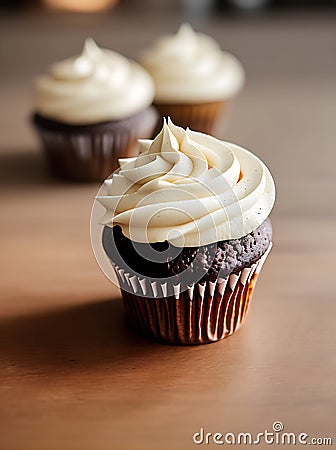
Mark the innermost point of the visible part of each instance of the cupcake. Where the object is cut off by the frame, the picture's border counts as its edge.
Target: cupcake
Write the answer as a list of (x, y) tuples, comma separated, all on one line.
[(90, 110), (187, 230), (194, 79)]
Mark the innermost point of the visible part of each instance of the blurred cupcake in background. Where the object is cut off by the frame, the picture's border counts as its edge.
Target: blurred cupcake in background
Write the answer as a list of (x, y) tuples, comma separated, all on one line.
[(194, 79), (90, 110)]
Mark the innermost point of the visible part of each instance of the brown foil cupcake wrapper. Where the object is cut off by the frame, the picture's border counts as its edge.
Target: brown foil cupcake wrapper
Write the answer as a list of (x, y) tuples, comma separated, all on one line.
[(203, 313), (85, 157), (91, 153), (198, 117)]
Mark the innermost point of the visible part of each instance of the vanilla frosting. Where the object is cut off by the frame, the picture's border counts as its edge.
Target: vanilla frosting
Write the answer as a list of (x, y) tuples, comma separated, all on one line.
[(190, 67), (188, 188), (98, 85)]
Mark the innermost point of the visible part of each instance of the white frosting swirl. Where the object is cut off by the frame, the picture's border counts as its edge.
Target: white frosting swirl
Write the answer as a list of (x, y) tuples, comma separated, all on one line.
[(190, 67), (97, 86), (188, 188)]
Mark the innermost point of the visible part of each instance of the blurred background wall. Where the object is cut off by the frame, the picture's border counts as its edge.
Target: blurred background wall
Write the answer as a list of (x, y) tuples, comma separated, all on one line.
[(285, 112)]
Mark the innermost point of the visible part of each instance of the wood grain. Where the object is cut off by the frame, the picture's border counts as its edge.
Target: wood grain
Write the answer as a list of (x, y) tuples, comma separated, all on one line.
[(73, 374)]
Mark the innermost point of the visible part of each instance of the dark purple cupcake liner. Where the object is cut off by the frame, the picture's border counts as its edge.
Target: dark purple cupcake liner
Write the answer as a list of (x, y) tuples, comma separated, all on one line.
[(202, 313), (91, 153)]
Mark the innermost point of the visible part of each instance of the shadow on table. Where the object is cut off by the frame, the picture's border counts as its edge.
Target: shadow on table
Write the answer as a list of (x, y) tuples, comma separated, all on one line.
[(24, 168), (73, 338), (94, 341)]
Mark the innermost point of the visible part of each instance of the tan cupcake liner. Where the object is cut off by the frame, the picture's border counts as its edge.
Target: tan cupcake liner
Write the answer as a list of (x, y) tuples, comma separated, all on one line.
[(203, 313), (198, 117)]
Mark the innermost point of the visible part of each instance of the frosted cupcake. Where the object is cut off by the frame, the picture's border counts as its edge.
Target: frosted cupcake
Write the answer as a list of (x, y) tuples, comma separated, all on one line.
[(186, 229), (90, 110), (194, 79)]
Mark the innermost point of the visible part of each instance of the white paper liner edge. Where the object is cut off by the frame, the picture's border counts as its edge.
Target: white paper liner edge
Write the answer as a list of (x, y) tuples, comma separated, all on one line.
[(144, 287)]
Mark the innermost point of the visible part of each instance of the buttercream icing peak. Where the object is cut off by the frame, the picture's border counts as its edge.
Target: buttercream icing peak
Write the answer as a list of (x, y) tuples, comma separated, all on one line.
[(191, 67), (96, 86), (205, 189), (91, 49), (186, 37)]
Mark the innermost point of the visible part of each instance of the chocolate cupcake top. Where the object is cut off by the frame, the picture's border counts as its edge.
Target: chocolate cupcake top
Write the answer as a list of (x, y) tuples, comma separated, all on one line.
[(189, 189), (97, 86), (190, 67)]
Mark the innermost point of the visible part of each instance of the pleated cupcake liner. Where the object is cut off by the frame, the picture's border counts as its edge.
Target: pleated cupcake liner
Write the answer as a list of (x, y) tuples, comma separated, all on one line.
[(199, 313), (198, 117), (92, 153)]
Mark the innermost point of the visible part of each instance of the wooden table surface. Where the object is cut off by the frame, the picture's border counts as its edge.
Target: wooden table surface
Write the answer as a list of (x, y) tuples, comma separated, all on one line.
[(73, 375)]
